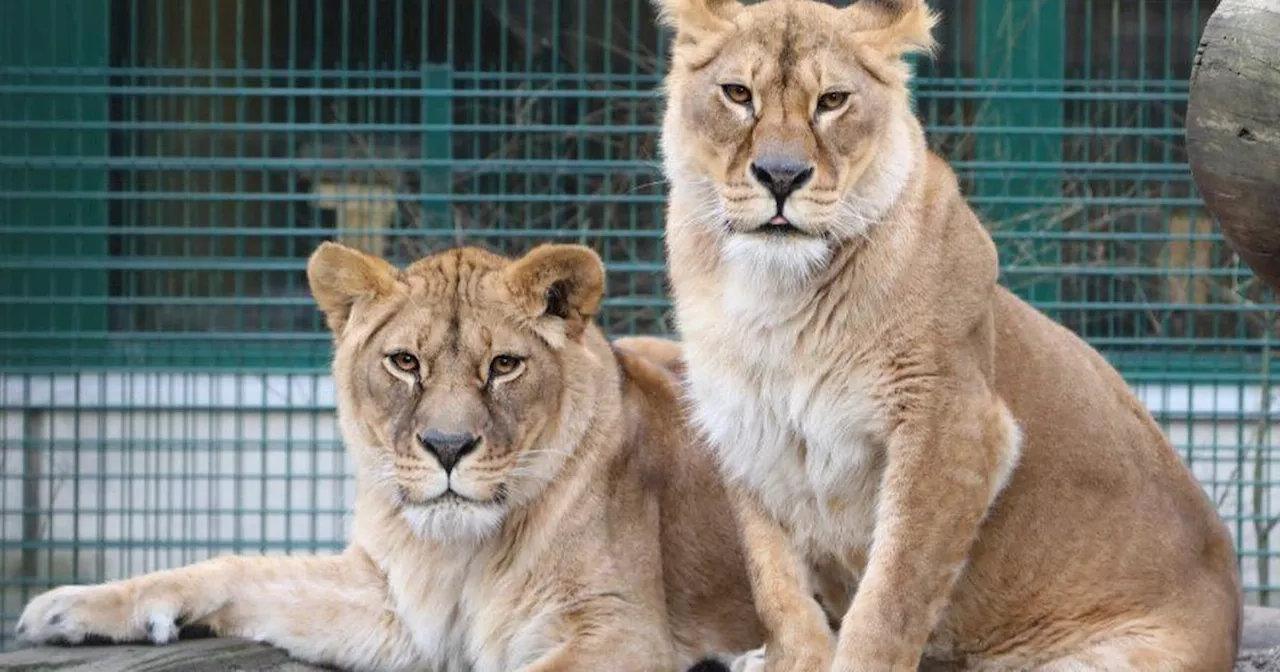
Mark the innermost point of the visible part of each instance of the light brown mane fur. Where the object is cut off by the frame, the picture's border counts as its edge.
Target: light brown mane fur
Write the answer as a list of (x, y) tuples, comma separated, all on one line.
[(594, 533), (966, 483)]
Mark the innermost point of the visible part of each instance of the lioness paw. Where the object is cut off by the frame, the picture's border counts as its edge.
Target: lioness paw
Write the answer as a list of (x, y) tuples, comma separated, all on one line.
[(74, 614)]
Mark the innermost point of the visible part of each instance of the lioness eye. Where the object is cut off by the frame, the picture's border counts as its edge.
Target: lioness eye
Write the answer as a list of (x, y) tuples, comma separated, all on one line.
[(404, 361), (832, 101), (503, 365), (737, 93)]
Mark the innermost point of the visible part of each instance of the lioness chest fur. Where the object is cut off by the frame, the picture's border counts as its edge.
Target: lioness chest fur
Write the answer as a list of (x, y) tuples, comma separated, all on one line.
[(528, 495), (963, 482)]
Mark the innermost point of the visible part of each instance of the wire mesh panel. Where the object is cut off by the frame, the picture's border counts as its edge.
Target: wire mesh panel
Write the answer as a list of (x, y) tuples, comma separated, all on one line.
[(166, 166)]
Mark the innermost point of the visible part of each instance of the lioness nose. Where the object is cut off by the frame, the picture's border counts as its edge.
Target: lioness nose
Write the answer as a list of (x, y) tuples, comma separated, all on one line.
[(448, 448), (781, 176)]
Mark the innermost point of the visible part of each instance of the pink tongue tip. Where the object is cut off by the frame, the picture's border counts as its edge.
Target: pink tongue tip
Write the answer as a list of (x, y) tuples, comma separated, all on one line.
[(779, 220)]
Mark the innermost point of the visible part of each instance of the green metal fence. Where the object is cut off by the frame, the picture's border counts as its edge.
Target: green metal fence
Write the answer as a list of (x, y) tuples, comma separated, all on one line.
[(167, 165)]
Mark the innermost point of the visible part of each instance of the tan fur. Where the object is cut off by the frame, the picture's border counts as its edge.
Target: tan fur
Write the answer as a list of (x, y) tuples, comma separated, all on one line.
[(964, 482), (667, 354), (596, 534)]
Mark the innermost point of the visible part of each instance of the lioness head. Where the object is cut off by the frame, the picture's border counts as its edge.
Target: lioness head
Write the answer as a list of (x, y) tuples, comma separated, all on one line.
[(461, 378), (789, 124)]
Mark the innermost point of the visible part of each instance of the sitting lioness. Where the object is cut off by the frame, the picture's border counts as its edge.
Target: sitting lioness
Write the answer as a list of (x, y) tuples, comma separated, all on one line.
[(528, 496), (962, 481)]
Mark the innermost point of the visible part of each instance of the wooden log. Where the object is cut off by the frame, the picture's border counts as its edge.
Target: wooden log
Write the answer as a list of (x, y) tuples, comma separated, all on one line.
[(234, 655), (197, 655), (1233, 129), (1259, 652)]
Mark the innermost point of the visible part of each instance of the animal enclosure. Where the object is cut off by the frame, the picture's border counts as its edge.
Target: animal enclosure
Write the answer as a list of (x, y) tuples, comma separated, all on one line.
[(166, 166)]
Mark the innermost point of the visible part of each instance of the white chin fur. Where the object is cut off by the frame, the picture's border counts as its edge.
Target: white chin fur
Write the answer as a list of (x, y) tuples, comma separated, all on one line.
[(768, 262), (454, 523)]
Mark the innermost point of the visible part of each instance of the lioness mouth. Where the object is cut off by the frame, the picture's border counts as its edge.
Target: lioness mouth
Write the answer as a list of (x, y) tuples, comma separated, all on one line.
[(452, 496), (447, 497), (779, 226)]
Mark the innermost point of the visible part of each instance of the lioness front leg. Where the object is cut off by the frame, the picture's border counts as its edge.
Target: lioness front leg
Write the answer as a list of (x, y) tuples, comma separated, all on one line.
[(328, 610), (608, 632), (943, 472), (800, 638), (577, 657)]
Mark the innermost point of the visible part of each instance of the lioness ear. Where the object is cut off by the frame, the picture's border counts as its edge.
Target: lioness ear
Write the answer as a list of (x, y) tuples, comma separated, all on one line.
[(340, 276), (692, 19), (559, 288), (894, 27)]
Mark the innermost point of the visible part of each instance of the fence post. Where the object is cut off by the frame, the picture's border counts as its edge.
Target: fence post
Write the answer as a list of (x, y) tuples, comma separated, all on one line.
[(32, 470)]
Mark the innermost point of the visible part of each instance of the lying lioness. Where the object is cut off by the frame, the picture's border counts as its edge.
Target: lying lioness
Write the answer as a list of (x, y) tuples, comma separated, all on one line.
[(962, 480), (528, 496)]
